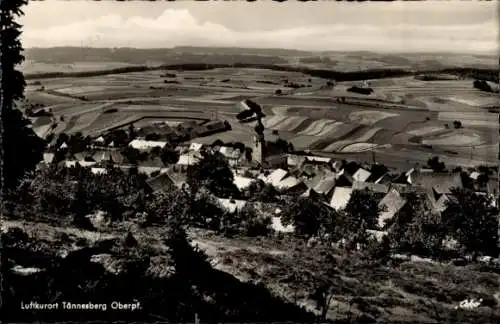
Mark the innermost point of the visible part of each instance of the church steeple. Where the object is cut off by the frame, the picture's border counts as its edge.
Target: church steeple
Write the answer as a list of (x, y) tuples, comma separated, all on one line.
[(258, 150)]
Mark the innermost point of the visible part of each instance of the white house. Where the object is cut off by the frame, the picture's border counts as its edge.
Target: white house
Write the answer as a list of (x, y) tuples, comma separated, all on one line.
[(144, 145)]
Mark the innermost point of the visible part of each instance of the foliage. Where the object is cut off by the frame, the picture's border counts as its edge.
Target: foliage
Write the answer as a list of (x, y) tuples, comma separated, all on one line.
[(77, 143), (133, 155), (361, 213), (169, 155), (205, 212), (482, 85), (415, 230), (59, 192), (457, 124), (311, 217), (119, 137), (362, 208), (214, 173), (258, 190), (22, 149), (436, 165), (246, 221), (167, 208), (473, 222)]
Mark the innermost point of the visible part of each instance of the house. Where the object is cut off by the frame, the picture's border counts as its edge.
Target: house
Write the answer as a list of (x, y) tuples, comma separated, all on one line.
[(325, 185), (441, 183), (48, 158), (104, 156), (232, 154), (195, 147), (63, 146), (70, 164), (337, 166), (391, 204), (275, 161), (99, 170), (149, 170), (384, 179), (144, 145), (241, 182), (340, 197), (87, 163), (99, 141), (361, 175), (294, 160), (276, 176), (232, 205), (188, 159), (278, 226), (291, 184), (344, 179), (162, 182), (374, 187), (318, 159), (474, 175)]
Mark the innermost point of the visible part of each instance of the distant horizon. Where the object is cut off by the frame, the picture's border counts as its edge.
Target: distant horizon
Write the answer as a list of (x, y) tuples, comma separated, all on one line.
[(466, 27), (493, 54)]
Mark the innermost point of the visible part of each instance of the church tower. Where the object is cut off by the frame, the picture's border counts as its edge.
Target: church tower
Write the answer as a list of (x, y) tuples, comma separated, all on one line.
[(258, 149)]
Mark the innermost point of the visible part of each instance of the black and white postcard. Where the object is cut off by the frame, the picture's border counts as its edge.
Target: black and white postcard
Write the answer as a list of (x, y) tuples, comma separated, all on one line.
[(250, 161)]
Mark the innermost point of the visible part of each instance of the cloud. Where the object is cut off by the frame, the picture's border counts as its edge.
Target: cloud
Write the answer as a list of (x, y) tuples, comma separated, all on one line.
[(177, 27)]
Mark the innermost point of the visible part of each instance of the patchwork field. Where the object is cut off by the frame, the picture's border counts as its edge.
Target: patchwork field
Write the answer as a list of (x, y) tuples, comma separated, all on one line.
[(400, 116)]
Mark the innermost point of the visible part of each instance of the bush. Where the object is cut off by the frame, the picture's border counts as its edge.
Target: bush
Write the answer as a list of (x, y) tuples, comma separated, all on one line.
[(457, 124)]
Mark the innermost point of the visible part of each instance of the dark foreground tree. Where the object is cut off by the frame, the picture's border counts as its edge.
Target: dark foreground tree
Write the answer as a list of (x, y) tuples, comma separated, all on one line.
[(473, 221), (21, 148)]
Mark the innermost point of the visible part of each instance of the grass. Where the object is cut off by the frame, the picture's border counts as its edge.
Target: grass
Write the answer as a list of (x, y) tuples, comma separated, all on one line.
[(409, 291)]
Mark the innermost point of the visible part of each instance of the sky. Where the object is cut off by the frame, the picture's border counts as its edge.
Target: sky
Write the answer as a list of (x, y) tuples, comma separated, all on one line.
[(430, 26)]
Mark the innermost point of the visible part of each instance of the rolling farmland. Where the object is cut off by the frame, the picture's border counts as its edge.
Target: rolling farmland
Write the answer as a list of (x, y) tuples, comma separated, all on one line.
[(397, 119)]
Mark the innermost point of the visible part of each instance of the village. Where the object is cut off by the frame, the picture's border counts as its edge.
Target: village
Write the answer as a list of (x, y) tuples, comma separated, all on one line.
[(272, 163)]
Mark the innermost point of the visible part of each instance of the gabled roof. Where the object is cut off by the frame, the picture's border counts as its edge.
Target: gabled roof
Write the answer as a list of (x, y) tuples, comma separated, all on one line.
[(288, 183), (195, 146), (361, 175), (276, 176), (340, 197), (86, 163), (317, 159), (188, 159), (149, 169), (375, 187), (442, 183), (63, 145), (325, 185), (385, 179), (392, 204), (474, 175), (100, 140), (162, 182)]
